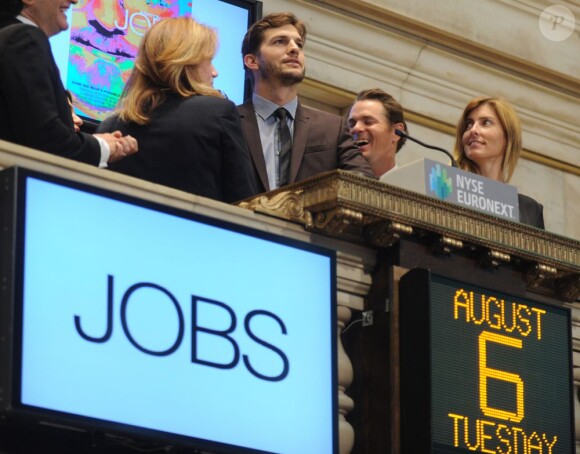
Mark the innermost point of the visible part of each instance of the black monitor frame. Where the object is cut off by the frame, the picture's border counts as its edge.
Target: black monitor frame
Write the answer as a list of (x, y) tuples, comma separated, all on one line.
[(13, 412), (422, 321)]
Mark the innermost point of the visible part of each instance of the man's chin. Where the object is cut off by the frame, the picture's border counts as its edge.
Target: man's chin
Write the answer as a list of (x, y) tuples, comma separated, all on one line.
[(289, 79), (63, 26), (364, 153)]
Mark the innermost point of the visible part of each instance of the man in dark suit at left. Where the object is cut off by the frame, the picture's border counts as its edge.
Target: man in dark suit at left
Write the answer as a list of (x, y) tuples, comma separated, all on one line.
[(34, 109)]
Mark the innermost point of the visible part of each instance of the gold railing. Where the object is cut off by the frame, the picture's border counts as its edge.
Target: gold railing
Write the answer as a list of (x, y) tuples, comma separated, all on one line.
[(351, 207)]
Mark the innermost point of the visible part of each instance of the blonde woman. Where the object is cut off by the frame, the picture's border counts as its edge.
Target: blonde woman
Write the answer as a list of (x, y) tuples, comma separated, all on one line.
[(190, 134), (489, 142)]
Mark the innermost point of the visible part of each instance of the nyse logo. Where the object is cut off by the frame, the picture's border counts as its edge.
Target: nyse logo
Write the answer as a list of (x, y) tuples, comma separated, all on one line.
[(131, 296), (440, 183)]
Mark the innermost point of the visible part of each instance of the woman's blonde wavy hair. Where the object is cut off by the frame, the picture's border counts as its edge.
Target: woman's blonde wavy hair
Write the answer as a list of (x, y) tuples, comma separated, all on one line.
[(511, 128), (167, 61)]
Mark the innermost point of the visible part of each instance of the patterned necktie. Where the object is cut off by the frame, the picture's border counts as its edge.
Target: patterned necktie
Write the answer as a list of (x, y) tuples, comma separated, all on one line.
[(285, 147)]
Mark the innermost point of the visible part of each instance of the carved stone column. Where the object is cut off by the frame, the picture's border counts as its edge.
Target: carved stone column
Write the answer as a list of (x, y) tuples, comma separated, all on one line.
[(353, 283), (345, 376)]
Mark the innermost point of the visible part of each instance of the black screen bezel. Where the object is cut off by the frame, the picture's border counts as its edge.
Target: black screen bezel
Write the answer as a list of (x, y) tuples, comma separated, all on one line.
[(12, 222), (415, 293)]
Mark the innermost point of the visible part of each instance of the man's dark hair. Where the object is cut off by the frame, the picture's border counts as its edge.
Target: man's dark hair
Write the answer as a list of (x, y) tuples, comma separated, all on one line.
[(393, 110), (255, 34), (10, 8)]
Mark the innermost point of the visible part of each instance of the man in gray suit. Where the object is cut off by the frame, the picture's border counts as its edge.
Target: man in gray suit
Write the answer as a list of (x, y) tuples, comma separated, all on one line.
[(273, 54)]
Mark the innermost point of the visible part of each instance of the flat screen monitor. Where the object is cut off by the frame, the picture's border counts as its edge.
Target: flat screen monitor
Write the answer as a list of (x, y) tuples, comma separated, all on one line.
[(483, 370), (96, 54), (130, 317)]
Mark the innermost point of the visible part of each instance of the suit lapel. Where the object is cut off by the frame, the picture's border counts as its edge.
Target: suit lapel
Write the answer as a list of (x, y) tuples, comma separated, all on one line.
[(252, 136), (301, 128)]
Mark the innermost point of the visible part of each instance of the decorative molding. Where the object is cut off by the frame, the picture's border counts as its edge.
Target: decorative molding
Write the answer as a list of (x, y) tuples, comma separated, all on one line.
[(493, 259), (285, 204), (538, 274), (569, 287), (336, 221), (446, 245), (385, 233), (351, 207), (492, 57)]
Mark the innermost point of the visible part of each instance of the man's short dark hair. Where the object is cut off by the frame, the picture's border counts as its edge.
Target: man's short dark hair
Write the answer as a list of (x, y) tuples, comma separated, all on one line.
[(393, 110), (10, 8), (255, 34)]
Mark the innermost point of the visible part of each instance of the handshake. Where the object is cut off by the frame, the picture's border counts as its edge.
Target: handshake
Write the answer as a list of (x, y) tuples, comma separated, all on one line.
[(120, 146)]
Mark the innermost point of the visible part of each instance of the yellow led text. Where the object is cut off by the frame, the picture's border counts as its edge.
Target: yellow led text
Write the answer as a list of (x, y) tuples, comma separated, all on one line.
[(486, 373), (492, 438), (498, 314)]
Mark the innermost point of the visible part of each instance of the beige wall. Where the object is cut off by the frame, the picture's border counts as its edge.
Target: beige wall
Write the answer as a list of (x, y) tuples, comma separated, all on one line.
[(435, 56)]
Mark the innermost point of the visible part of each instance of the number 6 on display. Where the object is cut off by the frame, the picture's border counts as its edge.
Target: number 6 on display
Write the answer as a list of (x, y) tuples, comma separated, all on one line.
[(486, 373)]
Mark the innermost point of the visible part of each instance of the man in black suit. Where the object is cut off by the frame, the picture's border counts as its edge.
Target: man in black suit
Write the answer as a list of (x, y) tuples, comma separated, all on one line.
[(34, 110), (273, 56)]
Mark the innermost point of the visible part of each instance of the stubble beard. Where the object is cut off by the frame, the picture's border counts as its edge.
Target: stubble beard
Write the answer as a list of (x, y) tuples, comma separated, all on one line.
[(269, 71)]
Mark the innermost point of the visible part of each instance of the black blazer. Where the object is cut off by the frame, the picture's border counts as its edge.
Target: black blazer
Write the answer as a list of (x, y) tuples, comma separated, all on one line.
[(531, 212), (34, 109), (321, 143), (194, 144)]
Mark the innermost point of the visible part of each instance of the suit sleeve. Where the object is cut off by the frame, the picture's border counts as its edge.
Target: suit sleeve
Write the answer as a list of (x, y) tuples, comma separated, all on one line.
[(540, 222), (238, 177), (109, 124), (349, 158), (31, 88), (531, 212)]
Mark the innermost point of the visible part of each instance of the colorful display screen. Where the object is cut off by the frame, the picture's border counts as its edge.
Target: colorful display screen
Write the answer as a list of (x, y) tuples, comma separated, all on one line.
[(130, 315), (96, 54)]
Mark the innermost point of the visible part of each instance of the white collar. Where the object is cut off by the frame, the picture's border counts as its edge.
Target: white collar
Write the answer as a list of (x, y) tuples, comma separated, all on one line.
[(390, 170), (25, 20)]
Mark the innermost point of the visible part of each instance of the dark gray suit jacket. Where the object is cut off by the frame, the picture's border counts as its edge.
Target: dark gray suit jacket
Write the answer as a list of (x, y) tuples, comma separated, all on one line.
[(531, 212), (321, 143), (34, 109), (193, 144)]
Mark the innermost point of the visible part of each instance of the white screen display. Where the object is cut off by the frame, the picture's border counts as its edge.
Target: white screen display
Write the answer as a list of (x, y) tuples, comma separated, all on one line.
[(213, 334)]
